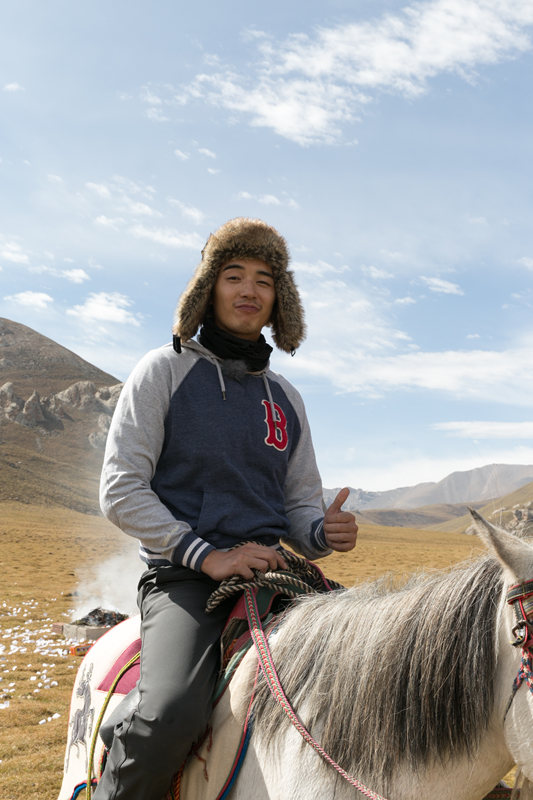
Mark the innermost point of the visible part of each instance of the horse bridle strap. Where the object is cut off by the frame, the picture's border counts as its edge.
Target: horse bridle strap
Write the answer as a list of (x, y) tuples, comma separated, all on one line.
[(520, 596), (276, 689)]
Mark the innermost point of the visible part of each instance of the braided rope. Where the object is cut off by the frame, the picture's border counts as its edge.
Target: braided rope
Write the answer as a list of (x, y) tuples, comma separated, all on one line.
[(302, 577), (276, 689)]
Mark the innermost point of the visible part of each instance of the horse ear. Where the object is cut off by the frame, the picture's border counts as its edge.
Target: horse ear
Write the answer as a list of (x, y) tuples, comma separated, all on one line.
[(512, 552)]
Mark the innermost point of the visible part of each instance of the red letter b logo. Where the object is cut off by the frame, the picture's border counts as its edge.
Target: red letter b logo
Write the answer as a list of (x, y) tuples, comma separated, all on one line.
[(277, 427)]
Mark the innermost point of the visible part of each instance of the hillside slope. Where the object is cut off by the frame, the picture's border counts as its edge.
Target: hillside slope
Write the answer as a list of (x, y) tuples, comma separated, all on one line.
[(55, 410), (31, 361), (499, 511)]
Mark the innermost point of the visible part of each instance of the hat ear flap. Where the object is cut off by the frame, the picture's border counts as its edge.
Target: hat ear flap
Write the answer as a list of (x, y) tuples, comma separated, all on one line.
[(288, 319)]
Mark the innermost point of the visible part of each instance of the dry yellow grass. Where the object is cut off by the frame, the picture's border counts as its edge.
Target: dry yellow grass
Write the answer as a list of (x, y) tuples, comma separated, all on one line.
[(47, 551)]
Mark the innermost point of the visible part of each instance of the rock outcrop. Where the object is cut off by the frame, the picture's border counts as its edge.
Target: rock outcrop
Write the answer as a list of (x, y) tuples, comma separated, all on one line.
[(47, 414)]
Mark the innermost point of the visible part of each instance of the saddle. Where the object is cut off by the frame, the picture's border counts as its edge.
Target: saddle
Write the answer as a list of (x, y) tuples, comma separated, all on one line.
[(273, 592)]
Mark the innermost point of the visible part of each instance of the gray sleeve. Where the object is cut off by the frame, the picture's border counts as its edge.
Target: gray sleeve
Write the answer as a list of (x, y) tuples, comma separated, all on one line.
[(303, 489), (133, 448)]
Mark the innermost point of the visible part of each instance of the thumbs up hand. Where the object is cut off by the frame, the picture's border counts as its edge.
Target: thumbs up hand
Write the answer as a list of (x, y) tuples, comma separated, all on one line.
[(340, 528)]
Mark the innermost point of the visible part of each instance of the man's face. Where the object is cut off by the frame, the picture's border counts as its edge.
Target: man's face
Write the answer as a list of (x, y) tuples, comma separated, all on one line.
[(243, 297)]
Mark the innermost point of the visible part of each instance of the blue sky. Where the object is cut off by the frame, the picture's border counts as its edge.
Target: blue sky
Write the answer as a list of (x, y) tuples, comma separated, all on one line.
[(390, 143)]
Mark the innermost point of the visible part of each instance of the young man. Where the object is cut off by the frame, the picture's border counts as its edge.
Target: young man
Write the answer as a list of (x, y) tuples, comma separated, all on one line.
[(209, 448)]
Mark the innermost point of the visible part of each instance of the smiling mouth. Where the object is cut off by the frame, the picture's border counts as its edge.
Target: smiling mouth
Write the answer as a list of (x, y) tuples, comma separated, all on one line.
[(247, 308)]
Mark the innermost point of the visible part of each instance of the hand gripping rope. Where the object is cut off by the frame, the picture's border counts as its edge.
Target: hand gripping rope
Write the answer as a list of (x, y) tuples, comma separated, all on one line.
[(276, 689)]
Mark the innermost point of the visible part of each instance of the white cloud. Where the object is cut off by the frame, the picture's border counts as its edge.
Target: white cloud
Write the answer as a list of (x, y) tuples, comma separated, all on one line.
[(308, 87), (120, 183), (149, 96), (355, 346), (376, 273), (404, 301), (213, 171), (109, 222), (482, 429), (137, 208), (269, 199), (121, 197), (189, 212), (205, 152), (156, 114), (526, 262), (318, 268), (105, 307), (336, 313), (441, 286), (480, 375), (301, 110), (39, 301), (524, 298), (168, 237), (99, 188), (181, 155), (11, 251), (13, 87), (54, 178), (75, 275)]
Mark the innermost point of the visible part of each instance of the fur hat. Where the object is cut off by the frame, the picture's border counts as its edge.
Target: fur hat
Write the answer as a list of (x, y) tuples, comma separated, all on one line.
[(244, 238)]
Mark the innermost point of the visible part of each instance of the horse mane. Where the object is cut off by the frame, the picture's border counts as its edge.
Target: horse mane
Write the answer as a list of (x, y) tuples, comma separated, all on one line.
[(389, 675)]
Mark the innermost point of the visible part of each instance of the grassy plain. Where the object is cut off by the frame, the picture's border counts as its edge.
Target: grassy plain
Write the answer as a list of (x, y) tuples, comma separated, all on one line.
[(47, 553)]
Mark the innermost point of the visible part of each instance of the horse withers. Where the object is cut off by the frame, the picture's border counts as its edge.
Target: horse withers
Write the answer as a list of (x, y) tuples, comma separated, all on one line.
[(414, 689)]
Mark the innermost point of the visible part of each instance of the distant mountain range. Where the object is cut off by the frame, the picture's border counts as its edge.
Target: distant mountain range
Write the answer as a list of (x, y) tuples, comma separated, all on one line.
[(55, 410), (475, 485)]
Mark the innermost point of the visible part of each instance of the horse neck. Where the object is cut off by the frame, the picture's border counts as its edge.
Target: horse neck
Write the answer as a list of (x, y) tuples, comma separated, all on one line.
[(266, 777)]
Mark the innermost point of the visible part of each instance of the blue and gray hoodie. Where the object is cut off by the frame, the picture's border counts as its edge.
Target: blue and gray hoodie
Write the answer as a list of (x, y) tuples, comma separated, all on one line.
[(197, 461)]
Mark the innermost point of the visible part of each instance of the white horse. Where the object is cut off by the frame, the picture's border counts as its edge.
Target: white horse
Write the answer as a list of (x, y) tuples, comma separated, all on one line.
[(410, 689)]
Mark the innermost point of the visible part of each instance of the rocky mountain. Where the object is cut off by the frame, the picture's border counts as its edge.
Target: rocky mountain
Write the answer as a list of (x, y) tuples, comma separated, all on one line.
[(55, 410), (476, 485), (31, 361)]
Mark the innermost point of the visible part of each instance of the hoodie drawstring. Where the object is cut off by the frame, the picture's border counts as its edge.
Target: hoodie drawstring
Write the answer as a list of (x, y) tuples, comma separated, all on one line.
[(220, 377), (270, 400)]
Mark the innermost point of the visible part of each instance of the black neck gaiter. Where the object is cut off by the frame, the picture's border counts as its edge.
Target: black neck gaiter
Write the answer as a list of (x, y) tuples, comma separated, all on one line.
[(226, 345)]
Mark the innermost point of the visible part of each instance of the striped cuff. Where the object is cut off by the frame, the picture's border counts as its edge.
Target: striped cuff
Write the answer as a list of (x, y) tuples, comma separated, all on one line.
[(318, 537), (191, 551)]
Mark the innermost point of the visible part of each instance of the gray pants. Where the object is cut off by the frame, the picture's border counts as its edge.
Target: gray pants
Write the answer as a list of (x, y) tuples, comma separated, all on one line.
[(180, 657)]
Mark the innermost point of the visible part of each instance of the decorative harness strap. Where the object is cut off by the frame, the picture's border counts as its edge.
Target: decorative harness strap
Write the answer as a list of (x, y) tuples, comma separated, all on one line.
[(276, 689), (520, 596)]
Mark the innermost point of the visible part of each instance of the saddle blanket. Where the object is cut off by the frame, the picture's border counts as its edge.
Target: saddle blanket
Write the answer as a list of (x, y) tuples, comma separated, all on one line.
[(213, 765)]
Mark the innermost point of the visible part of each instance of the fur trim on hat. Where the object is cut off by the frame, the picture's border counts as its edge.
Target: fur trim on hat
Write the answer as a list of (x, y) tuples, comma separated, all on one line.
[(244, 238)]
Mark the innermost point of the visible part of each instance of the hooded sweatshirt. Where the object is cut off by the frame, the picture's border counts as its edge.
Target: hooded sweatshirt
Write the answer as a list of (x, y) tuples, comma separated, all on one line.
[(197, 461)]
